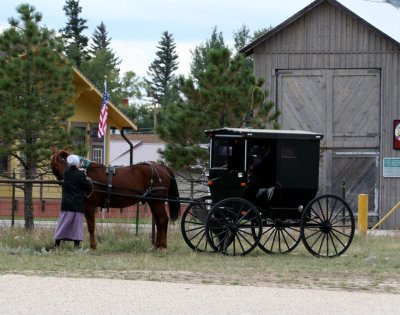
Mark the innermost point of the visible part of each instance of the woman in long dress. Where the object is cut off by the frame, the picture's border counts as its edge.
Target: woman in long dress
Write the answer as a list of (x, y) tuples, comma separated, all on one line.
[(70, 221)]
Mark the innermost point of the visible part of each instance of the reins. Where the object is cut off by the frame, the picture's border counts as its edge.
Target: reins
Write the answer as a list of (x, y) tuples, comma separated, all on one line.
[(85, 165)]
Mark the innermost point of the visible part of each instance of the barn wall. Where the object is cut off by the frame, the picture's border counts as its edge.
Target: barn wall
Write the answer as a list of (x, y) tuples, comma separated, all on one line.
[(328, 37)]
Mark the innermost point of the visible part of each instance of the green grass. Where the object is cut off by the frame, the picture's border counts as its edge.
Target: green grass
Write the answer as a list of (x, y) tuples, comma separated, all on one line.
[(371, 263), (98, 220)]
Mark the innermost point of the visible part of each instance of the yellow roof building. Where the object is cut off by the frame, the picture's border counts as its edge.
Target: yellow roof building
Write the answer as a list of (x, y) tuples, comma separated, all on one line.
[(88, 101)]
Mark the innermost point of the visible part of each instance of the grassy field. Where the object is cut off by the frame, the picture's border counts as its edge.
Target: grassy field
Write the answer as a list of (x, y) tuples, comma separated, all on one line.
[(371, 263)]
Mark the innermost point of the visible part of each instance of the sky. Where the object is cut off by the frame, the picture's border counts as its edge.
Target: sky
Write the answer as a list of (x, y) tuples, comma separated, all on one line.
[(136, 26)]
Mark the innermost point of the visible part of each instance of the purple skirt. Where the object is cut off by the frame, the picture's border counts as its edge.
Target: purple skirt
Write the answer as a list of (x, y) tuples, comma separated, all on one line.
[(69, 226)]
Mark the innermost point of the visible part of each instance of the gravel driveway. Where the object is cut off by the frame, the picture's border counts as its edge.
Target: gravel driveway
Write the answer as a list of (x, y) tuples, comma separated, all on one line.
[(21, 294)]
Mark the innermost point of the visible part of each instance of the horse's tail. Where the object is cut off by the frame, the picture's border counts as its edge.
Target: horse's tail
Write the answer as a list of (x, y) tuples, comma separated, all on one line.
[(173, 194)]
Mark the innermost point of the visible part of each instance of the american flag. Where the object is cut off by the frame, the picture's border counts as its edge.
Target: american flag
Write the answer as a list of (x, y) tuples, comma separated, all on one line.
[(103, 114)]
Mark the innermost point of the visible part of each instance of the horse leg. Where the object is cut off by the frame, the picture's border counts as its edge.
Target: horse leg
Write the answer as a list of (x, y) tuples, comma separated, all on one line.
[(90, 215), (161, 220)]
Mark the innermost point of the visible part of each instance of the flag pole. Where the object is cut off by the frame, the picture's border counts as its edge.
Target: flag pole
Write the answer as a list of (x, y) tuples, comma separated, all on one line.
[(105, 131)]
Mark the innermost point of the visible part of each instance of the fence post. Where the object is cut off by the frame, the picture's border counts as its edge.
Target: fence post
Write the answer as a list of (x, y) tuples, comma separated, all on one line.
[(13, 203), (362, 214), (137, 219), (41, 189)]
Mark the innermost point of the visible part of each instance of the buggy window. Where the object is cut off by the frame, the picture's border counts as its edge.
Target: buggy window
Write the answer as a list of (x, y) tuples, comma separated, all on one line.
[(288, 152), (227, 154)]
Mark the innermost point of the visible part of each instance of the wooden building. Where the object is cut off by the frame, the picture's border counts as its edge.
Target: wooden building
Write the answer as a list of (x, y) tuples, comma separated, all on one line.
[(87, 105), (334, 68), (87, 102)]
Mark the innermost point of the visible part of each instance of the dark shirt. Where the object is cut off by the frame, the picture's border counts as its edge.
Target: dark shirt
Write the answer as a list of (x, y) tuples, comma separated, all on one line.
[(74, 187), (261, 171)]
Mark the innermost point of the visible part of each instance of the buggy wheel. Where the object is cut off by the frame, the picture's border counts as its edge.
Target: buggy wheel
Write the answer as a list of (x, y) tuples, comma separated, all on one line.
[(193, 225), (327, 226), (279, 236), (233, 227)]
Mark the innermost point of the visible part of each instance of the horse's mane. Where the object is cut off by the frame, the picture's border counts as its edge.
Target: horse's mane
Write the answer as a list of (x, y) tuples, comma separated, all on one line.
[(63, 153)]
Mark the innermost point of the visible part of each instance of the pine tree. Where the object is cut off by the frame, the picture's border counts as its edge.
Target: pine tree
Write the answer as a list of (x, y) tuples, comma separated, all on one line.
[(200, 54), (103, 64), (161, 71), (130, 87), (241, 37), (75, 42), (261, 31), (100, 39), (224, 94), (35, 91)]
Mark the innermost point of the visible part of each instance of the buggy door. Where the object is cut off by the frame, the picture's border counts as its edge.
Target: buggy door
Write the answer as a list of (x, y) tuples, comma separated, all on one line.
[(227, 167)]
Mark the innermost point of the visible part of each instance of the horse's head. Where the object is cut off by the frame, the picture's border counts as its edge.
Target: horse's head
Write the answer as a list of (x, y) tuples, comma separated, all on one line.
[(59, 163)]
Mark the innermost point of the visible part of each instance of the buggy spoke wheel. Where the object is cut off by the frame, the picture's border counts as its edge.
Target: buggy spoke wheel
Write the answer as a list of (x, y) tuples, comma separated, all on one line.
[(193, 225), (327, 226), (233, 227), (279, 236)]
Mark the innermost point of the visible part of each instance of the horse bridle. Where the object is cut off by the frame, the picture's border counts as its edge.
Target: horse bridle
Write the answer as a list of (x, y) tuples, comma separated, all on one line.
[(61, 160), (64, 161)]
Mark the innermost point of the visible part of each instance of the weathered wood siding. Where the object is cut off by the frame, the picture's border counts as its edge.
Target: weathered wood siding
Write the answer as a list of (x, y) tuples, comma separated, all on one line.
[(344, 105), (327, 38)]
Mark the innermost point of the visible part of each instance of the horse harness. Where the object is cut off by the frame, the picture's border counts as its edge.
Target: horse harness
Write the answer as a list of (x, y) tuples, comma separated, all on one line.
[(110, 172)]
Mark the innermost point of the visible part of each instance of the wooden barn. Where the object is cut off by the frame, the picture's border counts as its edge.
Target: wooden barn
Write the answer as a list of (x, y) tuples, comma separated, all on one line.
[(334, 68)]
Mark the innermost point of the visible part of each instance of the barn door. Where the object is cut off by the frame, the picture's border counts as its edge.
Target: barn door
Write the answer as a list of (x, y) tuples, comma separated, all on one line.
[(344, 105)]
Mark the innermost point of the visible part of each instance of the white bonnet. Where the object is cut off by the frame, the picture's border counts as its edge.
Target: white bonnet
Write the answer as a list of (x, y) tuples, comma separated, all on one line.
[(73, 160)]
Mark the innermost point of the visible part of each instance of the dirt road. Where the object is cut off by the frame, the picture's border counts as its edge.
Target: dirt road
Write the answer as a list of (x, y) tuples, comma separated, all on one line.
[(21, 294)]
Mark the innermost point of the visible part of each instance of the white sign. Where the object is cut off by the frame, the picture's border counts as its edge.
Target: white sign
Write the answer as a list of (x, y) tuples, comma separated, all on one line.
[(391, 167)]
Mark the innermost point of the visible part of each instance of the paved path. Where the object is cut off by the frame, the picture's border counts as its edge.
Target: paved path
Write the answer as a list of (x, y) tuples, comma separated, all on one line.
[(47, 295)]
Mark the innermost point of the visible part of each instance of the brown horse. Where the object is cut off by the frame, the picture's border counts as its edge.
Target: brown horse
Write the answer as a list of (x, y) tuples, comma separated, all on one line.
[(149, 182)]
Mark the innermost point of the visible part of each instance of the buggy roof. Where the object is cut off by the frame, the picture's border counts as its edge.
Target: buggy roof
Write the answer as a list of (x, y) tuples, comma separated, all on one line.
[(264, 133)]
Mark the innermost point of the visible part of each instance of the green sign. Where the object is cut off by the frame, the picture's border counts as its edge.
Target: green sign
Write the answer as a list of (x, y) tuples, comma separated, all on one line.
[(391, 167)]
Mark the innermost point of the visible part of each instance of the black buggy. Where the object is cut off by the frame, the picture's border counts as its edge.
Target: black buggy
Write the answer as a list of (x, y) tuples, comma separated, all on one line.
[(263, 186)]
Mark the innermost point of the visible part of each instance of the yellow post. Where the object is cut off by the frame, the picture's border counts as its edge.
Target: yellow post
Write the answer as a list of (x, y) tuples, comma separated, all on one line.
[(362, 214)]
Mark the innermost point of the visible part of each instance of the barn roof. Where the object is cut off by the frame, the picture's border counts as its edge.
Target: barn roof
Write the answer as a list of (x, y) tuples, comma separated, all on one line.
[(382, 16)]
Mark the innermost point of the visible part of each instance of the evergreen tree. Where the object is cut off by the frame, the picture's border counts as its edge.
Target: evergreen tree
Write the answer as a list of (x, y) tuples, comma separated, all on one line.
[(260, 32), (141, 114), (226, 93), (130, 87), (103, 64), (241, 37), (35, 91), (161, 71), (201, 53), (100, 39), (75, 42)]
